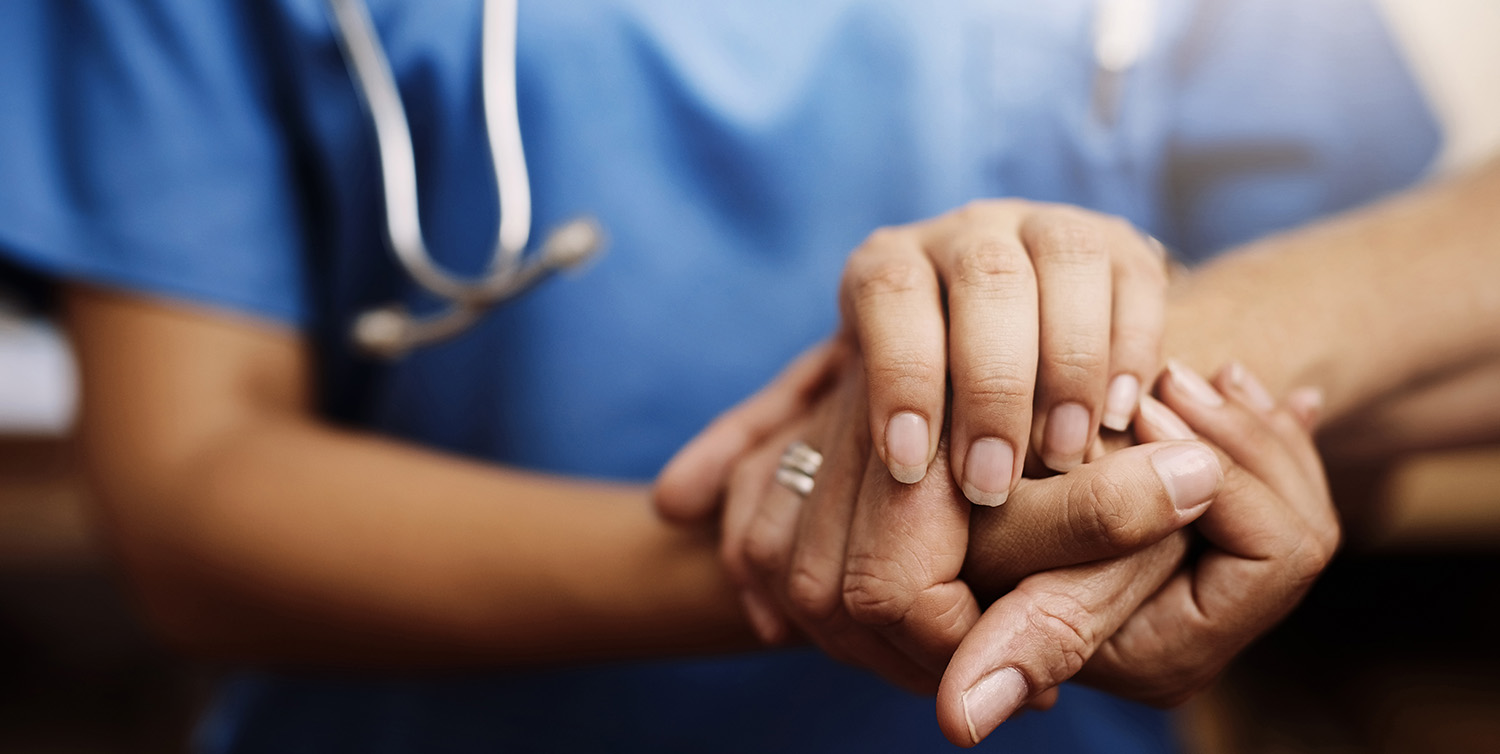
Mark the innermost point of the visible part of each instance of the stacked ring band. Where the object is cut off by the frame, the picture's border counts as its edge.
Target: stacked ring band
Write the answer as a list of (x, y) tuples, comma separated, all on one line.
[(799, 464)]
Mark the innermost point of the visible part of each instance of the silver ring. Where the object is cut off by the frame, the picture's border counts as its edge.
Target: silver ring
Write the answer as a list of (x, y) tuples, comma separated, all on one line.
[(799, 464), (800, 456)]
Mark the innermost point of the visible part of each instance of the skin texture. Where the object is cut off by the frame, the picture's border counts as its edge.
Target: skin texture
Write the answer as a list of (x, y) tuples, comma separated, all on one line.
[(1270, 531), (1017, 307), (1288, 304), (253, 531), (1375, 307)]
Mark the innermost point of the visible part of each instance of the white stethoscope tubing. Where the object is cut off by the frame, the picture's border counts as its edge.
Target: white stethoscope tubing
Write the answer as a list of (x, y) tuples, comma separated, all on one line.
[(391, 331), (1122, 34)]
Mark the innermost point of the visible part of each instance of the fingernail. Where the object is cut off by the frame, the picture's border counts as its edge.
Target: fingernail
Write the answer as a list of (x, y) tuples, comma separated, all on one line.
[(992, 700), (987, 471), (1255, 393), (1195, 386), (906, 447), (1067, 436), (762, 618), (1190, 472), (1119, 402), (1166, 421)]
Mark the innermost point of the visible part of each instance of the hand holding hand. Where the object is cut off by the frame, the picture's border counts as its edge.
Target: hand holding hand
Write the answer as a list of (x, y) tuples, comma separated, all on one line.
[(1023, 305), (1270, 532), (869, 568)]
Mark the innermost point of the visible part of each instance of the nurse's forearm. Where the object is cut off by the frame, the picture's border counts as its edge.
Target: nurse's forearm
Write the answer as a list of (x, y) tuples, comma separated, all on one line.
[(1368, 306), (308, 542), (252, 531)]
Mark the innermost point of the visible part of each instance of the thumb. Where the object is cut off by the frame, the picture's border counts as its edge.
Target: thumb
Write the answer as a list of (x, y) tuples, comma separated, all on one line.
[(1043, 633), (1109, 507)]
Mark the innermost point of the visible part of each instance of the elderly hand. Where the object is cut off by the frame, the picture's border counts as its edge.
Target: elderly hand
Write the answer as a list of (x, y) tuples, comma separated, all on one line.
[(1270, 531), (869, 568)]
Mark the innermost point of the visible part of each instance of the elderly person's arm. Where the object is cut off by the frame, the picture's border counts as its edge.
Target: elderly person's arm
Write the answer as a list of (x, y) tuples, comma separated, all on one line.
[(1394, 303)]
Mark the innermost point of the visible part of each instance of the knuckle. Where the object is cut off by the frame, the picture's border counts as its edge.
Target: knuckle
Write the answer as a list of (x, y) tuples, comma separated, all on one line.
[(1076, 363), (884, 237), (906, 372), (1105, 517), (989, 263), (996, 386), (811, 596), (877, 590), (979, 210), (870, 280), (1066, 237), (1310, 557), (1332, 537), (1065, 623)]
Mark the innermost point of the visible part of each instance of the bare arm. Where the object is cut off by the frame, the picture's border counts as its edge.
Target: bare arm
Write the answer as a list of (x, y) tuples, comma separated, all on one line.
[(254, 531), (1374, 307)]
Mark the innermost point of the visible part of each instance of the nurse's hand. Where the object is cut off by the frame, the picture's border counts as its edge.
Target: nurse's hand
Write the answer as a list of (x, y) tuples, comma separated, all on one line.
[(1270, 532), (1025, 306)]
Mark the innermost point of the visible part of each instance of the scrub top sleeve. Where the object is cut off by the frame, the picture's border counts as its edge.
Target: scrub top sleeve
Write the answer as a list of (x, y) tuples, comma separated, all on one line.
[(1284, 111), (140, 149)]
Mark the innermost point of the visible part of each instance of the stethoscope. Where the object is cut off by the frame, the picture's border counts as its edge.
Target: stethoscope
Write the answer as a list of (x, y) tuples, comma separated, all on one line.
[(1121, 35), (391, 330)]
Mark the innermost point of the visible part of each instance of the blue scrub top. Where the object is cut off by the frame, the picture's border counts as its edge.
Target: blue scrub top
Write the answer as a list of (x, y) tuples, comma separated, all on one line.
[(216, 152)]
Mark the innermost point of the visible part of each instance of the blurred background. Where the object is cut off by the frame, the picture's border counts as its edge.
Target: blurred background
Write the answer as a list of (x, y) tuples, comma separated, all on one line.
[(1392, 652)]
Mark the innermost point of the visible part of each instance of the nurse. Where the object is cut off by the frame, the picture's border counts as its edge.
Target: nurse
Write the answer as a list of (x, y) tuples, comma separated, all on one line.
[(200, 177)]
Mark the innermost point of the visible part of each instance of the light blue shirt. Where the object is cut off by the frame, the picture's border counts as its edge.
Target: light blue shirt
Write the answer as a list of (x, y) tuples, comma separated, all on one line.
[(216, 152)]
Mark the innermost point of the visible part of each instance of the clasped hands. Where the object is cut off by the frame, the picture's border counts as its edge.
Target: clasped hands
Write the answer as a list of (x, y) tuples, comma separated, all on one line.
[(1141, 568)]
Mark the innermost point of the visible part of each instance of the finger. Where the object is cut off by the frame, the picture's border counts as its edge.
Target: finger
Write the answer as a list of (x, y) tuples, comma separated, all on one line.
[(794, 549), (1292, 422), (814, 578), (1317, 506), (1241, 386), (1183, 636), (1074, 286), (1041, 634), (1306, 403), (690, 485), (750, 485), (1237, 381), (1115, 505), (1232, 425), (1265, 557), (767, 548), (1244, 434), (1139, 316), (906, 546), (993, 321), (890, 295)]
